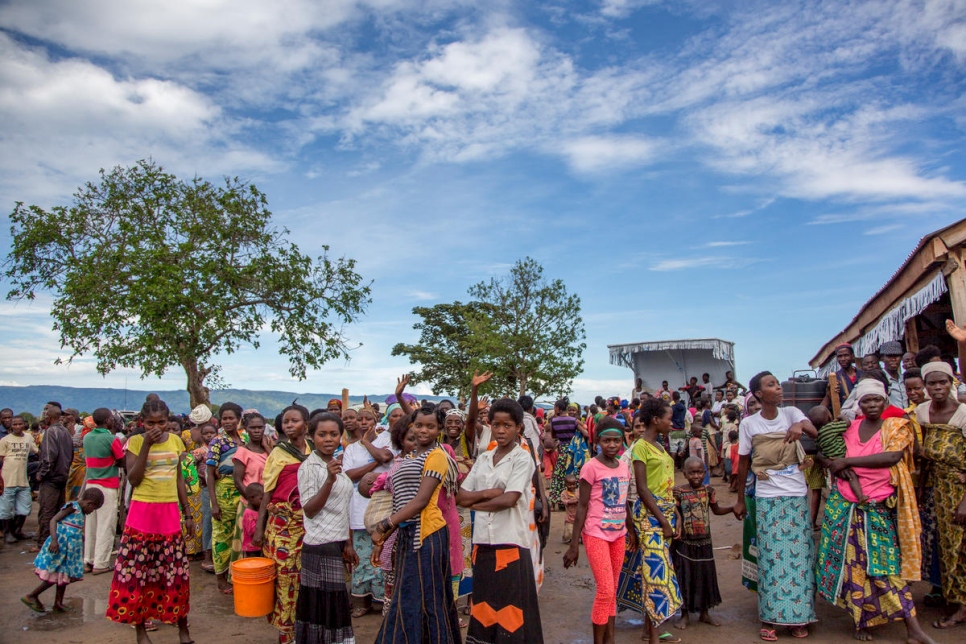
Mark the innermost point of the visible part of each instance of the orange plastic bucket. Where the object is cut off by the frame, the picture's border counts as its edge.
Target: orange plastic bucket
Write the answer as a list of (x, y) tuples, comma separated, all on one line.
[(254, 586)]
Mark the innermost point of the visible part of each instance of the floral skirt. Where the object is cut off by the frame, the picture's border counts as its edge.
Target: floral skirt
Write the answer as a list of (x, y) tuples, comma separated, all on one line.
[(150, 578), (283, 545)]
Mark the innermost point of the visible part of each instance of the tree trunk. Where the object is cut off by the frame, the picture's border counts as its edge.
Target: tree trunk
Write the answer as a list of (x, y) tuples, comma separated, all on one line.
[(197, 392)]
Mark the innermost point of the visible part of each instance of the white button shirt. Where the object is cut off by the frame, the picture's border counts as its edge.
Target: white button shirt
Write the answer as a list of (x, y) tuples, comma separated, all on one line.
[(512, 474)]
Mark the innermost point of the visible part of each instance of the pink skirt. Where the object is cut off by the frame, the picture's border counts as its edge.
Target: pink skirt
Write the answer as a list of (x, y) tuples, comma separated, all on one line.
[(154, 518)]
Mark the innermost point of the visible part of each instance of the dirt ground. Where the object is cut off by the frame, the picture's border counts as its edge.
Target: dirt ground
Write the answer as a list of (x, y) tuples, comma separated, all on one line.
[(564, 605)]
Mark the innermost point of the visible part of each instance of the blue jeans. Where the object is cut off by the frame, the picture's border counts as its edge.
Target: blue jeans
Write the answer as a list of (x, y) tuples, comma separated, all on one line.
[(15, 501)]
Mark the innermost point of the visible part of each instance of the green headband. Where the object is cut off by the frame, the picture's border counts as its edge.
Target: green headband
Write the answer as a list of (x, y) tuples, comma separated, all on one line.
[(601, 433)]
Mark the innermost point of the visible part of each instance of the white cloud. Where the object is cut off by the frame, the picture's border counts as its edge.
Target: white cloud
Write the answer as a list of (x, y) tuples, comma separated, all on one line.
[(882, 230), (65, 118), (590, 154), (715, 261), (725, 244), (623, 8)]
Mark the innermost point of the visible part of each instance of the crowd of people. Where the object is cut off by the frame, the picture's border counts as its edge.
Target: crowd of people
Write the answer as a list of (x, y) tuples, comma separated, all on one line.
[(432, 513)]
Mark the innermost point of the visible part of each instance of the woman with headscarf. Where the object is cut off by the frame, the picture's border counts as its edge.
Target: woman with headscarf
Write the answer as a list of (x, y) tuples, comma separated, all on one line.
[(225, 496), (786, 551), (943, 421), (454, 437), (869, 551)]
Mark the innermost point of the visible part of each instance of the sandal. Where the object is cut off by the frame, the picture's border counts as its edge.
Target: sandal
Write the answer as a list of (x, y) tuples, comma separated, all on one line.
[(664, 637), (463, 624), (359, 611), (768, 635), (947, 622), (798, 631), (208, 567), (934, 600), (33, 604)]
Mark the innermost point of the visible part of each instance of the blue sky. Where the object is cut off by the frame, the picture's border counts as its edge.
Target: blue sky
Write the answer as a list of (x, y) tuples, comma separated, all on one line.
[(752, 171)]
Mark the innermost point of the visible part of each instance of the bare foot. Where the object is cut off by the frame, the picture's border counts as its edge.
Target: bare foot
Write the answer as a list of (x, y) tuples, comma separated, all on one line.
[(142, 634), (683, 622), (863, 635), (708, 619)]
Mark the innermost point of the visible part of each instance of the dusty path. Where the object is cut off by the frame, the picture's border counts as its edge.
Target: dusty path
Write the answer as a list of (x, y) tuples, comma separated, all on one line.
[(564, 604)]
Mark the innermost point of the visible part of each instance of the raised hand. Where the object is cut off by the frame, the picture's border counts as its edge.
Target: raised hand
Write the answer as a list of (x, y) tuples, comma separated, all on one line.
[(480, 378), (957, 333), (401, 383)]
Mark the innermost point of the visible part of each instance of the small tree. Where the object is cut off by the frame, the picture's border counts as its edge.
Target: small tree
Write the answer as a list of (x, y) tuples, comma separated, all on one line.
[(524, 329), (532, 332), (152, 272), (445, 349)]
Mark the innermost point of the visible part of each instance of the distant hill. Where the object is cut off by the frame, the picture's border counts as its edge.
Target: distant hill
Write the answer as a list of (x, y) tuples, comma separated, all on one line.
[(32, 399)]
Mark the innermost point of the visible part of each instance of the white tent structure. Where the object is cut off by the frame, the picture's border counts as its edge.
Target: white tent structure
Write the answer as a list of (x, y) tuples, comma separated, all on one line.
[(675, 360)]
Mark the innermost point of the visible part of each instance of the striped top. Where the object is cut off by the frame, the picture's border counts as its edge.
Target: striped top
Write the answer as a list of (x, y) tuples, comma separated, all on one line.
[(405, 485), (102, 449), (564, 428)]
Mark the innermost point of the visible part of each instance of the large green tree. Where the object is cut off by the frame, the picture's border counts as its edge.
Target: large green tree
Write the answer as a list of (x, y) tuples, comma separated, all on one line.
[(524, 328), (446, 350), (151, 272)]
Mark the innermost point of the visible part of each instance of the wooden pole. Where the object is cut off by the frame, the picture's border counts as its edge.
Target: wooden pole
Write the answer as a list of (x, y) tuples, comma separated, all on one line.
[(345, 399), (912, 336), (956, 283)]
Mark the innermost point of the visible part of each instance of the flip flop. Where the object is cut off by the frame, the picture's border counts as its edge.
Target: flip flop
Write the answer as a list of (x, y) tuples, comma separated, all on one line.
[(208, 568), (62, 609), (101, 571), (228, 591), (670, 638), (359, 611), (33, 604), (798, 631), (768, 635), (945, 623)]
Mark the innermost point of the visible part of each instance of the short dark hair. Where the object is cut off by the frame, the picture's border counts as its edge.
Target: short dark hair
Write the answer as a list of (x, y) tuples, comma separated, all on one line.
[(914, 372), (398, 432), (675, 396), (101, 415), (508, 406), (55, 404), (607, 422), (526, 402), (326, 416), (293, 407), (652, 408), (927, 354), (230, 406), (154, 407), (755, 383), (429, 409)]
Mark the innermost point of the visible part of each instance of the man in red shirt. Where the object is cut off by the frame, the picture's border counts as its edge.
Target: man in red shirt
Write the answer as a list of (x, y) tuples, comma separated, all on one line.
[(102, 454)]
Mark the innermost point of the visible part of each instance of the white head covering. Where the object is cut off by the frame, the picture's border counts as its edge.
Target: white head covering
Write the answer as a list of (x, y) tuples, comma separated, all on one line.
[(940, 366), (200, 414), (870, 387)]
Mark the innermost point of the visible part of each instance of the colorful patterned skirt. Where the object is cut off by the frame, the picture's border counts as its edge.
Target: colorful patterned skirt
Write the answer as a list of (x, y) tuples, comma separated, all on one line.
[(150, 575), (945, 447), (323, 610), (193, 545), (929, 539), (696, 573), (858, 563), (505, 604), (367, 580), (749, 547), (223, 530), (284, 531), (659, 585), (426, 611), (786, 561), (629, 584), (76, 474)]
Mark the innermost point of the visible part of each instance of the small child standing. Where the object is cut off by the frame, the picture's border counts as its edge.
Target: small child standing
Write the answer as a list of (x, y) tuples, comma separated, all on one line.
[(569, 499), (61, 559), (692, 553), (254, 493), (729, 423), (733, 457)]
